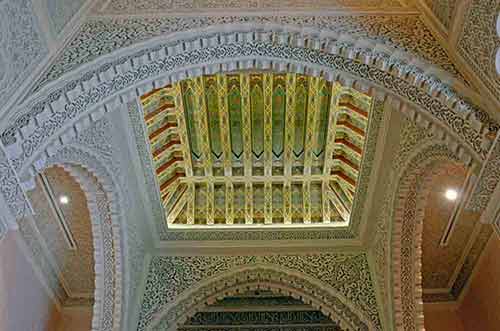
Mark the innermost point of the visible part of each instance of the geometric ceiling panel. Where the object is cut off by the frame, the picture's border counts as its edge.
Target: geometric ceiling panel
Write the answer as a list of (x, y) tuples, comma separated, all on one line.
[(256, 149)]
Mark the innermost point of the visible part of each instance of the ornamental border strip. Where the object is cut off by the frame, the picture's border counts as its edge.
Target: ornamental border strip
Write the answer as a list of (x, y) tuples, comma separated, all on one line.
[(266, 318), (123, 32), (349, 232), (106, 82), (111, 7)]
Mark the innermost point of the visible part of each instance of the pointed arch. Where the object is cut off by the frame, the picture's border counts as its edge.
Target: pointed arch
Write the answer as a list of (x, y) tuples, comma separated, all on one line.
[(104, 199), (413, 188), (261, 276)]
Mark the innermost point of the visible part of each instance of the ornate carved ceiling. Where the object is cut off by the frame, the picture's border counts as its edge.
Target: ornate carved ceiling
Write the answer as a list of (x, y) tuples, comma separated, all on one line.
[(257, 148), (202, 155), (468, 30)]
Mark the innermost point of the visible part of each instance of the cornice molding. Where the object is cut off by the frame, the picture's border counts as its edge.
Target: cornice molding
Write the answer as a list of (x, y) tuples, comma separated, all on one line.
[(264, 13), (238, 248), (253, 7)]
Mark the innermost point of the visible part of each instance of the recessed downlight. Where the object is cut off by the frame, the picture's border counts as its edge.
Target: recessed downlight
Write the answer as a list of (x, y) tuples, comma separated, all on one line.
[(451, 194), (64, 199)]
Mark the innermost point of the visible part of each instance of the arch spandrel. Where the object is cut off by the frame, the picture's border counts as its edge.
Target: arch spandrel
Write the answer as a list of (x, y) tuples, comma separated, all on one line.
[(178, 287), (277, 279)]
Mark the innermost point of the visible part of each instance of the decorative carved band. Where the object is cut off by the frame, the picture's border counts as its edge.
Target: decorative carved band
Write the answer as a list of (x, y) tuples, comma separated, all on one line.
[(101, 88), (263, 277)]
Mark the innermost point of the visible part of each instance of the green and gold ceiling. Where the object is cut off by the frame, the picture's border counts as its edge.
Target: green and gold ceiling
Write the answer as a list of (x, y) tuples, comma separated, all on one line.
[(256, 148)]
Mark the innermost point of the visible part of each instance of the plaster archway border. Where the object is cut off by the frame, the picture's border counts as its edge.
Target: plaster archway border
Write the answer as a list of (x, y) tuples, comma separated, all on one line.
[(260, 276), (54, 114), (406, 239), (105, 208)]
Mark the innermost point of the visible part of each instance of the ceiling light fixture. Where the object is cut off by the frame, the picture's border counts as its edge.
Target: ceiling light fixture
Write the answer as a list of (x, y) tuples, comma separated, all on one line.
[(64, 199), (451, 194)]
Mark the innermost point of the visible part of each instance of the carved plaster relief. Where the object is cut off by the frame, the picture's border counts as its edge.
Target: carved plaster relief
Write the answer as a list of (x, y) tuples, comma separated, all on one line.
[(443, 10), (170, 280), (61, 12), (21, 45), (11, 189), (396, 31), (478, 41)]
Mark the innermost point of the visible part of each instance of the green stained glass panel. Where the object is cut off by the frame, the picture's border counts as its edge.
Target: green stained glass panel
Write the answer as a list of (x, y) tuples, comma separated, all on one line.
[(257, 106), (189, 109), (234, 104), (322, 126), (279, 104), (213, 119), (300, 117)]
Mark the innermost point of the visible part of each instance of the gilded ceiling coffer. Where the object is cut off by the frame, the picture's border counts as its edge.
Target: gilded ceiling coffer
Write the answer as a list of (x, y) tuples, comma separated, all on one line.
[(256, 149)]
